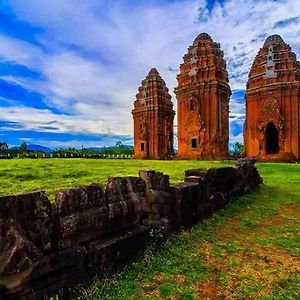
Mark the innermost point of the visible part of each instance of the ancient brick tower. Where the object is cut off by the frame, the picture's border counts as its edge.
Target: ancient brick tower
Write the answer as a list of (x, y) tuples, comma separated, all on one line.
[(203, 102), (153, 117), (272, 126)]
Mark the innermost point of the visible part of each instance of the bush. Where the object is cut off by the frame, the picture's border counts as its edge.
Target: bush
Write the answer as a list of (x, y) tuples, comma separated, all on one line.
[(237, 150)]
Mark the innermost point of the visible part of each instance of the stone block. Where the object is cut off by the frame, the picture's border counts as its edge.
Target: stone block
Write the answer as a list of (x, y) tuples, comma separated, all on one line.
[(18, 254), (124, 214), (207, 208), (113, 253), (161, 209), (150, 218), (240, 182), (204, 185), (58, 274), (124, 188), (220, 173), (189, 195), (196, 172), (222, 180), (162, 229), (195, 179), (80, 215), (30, 215), (159, 201), (219, 201), (155, 180), (251, 176), (78, 199), (246, 161), (124, 197)]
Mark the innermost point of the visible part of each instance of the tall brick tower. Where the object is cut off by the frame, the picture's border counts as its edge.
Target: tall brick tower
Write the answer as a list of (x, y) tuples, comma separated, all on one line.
[(272, 126), (153, 117), (203, 102)]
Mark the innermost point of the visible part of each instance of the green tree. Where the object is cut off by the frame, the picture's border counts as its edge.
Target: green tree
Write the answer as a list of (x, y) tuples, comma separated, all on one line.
[(236, 150), (119, 144), (23, 148)]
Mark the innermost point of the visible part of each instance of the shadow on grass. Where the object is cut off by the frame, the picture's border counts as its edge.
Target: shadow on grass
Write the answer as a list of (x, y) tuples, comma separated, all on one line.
[(76, 174), (26, 177)]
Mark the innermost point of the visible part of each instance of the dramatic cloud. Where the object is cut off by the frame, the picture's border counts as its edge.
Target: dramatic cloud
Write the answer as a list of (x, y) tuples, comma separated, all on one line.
[(77, 64)]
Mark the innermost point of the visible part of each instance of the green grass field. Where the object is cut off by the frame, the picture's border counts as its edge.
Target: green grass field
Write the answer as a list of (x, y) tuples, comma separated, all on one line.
[(26, 175), (250, 250)]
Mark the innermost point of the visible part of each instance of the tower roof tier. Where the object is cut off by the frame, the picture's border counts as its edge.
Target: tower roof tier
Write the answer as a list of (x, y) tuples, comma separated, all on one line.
[(153, 92), (274, 63), (204, 62)]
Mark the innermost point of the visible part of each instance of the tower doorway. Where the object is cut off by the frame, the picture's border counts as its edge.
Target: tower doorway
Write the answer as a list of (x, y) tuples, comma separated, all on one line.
[(272, 141)]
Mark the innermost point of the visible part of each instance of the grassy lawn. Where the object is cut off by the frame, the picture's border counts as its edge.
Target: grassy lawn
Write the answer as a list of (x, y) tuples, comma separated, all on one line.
[(26, 175), (250, 250)]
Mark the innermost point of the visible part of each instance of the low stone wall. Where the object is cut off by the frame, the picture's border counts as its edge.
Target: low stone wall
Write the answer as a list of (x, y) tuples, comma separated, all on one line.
[(48, 248)]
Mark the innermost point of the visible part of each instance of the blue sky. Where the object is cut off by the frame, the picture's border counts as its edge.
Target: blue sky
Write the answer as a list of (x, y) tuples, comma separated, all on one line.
[(70, 69)]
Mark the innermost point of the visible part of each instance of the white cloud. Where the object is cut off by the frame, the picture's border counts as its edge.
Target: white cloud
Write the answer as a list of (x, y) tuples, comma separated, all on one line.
[(44, 120), (236, 138), (95, 53), (21, 52)]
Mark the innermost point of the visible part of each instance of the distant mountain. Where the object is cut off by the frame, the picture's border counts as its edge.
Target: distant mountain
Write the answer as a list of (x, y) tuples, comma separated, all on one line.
[(33, 147)]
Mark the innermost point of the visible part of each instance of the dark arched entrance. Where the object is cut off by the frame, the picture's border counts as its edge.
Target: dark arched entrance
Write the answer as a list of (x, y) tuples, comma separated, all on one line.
[(272, 143)]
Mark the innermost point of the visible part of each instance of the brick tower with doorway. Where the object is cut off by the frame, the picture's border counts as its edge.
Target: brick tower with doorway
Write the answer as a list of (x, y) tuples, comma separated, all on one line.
[(153, 117), (203, 96), (272, 125)]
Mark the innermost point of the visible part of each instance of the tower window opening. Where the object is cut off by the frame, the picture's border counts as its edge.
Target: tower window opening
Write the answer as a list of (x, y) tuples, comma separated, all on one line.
[(191, 106), (194, 143)]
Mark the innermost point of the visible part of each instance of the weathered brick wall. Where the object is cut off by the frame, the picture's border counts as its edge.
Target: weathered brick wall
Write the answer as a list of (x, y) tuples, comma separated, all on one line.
[(47, 248), (80, 216), (124, 198), (26, 227)]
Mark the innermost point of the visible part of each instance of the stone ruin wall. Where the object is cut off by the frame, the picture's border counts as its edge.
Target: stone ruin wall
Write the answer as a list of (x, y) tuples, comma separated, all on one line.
[(48, 248)]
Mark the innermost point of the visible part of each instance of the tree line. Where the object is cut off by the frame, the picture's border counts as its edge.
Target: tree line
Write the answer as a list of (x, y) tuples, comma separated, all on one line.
[(22, 151), (118, 150)]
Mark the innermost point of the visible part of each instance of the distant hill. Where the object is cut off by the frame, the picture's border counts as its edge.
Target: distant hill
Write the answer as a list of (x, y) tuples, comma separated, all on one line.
[(33, 147)]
